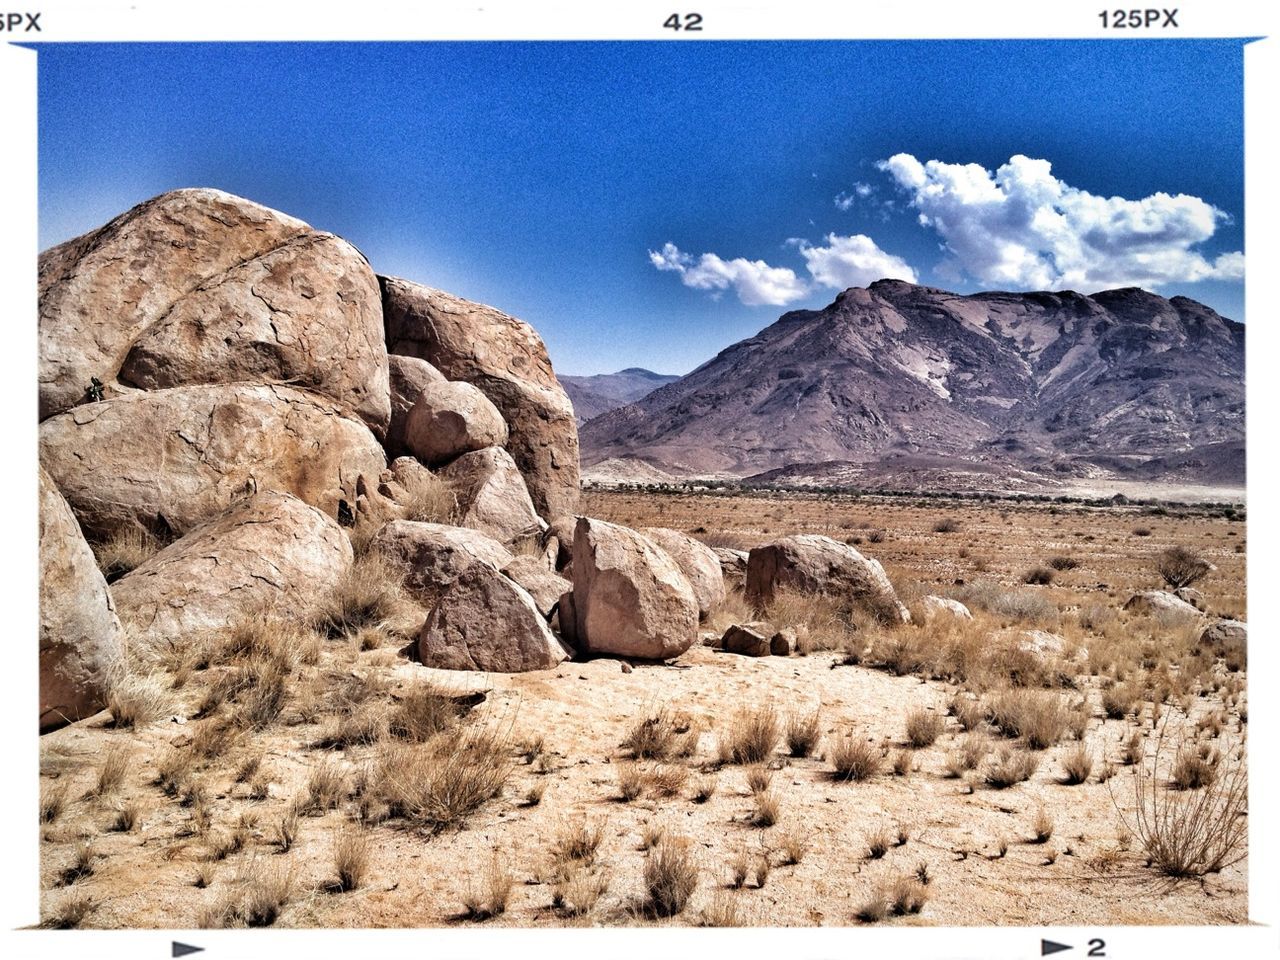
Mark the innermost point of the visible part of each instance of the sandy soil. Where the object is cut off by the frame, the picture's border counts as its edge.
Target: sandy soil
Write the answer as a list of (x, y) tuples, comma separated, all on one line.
[(1087, 872)]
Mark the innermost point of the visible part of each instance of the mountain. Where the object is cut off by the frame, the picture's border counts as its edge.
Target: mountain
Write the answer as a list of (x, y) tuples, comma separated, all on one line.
[(593, 396), (956, 390)]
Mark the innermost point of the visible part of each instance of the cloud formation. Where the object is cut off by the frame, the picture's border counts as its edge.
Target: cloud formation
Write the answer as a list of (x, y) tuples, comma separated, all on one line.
[(1022, 227), (841, 262), (852, 262), (754, 281)]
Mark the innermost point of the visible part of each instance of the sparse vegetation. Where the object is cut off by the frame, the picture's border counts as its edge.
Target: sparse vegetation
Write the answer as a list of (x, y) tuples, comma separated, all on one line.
[(923, 727), (1179, 567), (854, 758), (670, 876), (752, 735)]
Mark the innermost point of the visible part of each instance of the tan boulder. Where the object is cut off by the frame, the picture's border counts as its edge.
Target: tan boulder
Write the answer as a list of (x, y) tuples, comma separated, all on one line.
[(100, 291), (561, 529), (733, 566), (449, 419), (272, 550), (544, 586), (783, 643), (308, 313), (749, 639), (630, 597), (1227, 638), (492, 497), (934, 605), (699, 564), (508, 361), (1158, 602), (810, 563), (176, 458), (1192, 596), (408, 377), (434, 555), (488, 622), (81, 641)]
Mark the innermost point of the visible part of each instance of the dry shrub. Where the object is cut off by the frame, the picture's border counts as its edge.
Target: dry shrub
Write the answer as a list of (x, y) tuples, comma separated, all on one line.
[(948, 525), (1119, 701), (1038, 576), (758, 778), (752, 736), (53, 800), (441, 782), (657, 735), (428, 499), (631, 781), (854, 757), (424, 712), (1077, 765), (1193, 769), (1042, 827), (369, 595), (1036, 716), (802, 733), (907, 895), (966, 756), (255, 901), (490, 896), (1188, 833), (351, 849), (670, 876), (768, 809), (287, 828), (667, 780), (136, 698), (970, 713), (111, 774), (578, 842), (878, 842), (125, 549), (69, 913), (923, 727), (1010, 767), (901, 653), (722, 911), (1024, 606), (326, 787), (704, 788), (579, 892), (1180, 567), (821, 622), (127, 816), (83, 860), (364, 726), (1063, 563), (875, 908)]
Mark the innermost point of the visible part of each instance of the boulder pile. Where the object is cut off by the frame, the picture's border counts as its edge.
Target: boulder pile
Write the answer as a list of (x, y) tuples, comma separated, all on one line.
[(247, 391)]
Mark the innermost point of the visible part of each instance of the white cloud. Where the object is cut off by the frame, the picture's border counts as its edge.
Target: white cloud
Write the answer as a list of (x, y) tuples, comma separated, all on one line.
[(852, 262), (861, 191), (1022, 227), (754, 281)]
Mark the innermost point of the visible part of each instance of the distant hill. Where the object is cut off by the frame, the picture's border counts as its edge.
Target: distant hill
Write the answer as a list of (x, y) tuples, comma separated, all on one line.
[(593, 396), (937, 388)]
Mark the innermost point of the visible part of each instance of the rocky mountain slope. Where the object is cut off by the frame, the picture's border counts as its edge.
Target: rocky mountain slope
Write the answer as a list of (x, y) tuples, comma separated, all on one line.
[(1049, 386), (603, 392)]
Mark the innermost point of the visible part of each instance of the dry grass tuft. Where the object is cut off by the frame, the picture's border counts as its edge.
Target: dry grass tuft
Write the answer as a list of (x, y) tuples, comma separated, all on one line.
[(578, 842), (802, 733), (1010, 768), (579, 892), (443, 781), (70, 913), (793, 846), (368, 596), (1042, 827), (854, 758), (722, 911), (670, 876), (704, 788), (631, 781), (1077, 765), (124, 550), (135, 699), (768, 809), (428, 499), (656, 736), (752, 736), (490, 896), (53, 801), (1036, 716), (923, 727), (351, 848)]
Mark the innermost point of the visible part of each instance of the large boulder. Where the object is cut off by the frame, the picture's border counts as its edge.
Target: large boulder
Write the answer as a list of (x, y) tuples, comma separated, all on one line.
[(492, 497), (308, 313), (271, 551), (488, 622), (449, 419), (630, 598), (434, 555), (545, 587), (933, 605), (80, 635), (508, 361), (697, 562), (733, 566), (810, 563), (1160, 602), (173, 459), (1225, 637), (99, 292), (408, 377), (749, 639)]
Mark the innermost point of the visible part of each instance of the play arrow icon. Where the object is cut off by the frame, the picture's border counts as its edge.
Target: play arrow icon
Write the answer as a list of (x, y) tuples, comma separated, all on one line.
[(1048, 946), (182, 949)]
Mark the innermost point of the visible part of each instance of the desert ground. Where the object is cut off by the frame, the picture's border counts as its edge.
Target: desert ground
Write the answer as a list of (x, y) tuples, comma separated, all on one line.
[(936, 772)]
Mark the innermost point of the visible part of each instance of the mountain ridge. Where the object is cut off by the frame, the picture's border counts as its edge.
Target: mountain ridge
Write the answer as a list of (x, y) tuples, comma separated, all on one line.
[(1057, 384)]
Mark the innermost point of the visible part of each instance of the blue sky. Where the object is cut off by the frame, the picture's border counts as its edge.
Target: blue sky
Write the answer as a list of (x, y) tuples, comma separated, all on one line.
[(647, 204)]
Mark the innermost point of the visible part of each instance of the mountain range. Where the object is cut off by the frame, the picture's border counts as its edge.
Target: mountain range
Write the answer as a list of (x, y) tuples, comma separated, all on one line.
[(899, 383), (592, 396)]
